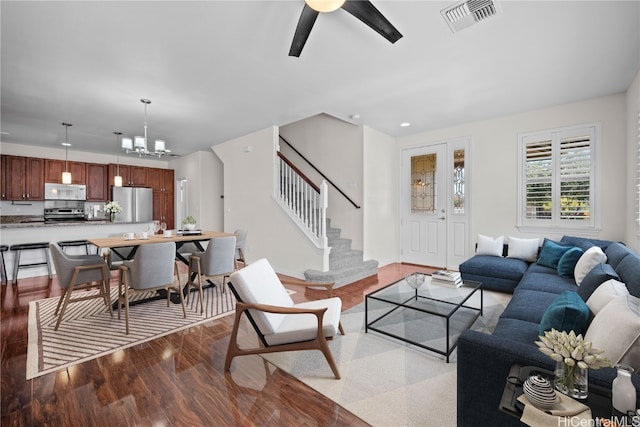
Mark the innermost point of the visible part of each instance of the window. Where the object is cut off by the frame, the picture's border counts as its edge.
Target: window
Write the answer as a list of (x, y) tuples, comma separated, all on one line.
[(558, 178)]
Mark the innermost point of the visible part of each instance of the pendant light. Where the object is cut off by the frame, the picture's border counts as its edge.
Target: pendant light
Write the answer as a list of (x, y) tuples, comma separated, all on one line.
[(66, 175), (140, 144), (117, 180), (324, 5)]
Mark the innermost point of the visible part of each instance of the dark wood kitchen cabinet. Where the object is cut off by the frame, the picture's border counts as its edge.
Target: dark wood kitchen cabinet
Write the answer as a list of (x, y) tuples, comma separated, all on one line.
[(22, 178), (97, 188), (132, 176), (54, 168), (163, 208)]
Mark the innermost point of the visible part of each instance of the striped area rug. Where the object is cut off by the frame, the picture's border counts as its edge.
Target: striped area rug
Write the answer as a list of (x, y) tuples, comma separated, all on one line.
[(88, 331)]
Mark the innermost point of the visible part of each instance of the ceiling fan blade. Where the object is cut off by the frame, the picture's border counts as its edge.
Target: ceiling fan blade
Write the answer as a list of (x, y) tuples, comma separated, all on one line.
[(305, 24), (367, 13)]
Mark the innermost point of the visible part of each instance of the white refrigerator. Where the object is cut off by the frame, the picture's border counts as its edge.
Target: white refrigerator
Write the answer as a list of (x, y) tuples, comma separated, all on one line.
[(136, 203)]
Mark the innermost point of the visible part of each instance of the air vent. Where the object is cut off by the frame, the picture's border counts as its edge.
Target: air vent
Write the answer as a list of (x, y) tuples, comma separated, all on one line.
[(464, 14)]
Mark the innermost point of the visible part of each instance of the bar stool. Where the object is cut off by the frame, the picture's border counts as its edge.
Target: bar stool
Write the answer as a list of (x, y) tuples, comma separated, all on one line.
[(67, 243), (3, 272), (29, 247)]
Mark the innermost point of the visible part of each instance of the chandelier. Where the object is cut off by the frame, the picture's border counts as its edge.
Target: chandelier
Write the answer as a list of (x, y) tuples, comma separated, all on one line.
[(139, 143)]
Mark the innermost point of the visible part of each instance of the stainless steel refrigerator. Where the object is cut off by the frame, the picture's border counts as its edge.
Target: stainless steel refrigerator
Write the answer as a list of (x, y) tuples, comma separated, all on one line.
[(136, 203)]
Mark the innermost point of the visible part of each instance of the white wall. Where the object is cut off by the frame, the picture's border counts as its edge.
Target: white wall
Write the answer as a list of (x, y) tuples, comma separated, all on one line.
[(494, 163), (633, 109), (335, 148), (381, 199), (249, 166), (204, 173)]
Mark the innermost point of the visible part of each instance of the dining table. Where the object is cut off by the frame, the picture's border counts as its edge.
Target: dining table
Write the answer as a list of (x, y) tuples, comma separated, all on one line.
[(179, 237)]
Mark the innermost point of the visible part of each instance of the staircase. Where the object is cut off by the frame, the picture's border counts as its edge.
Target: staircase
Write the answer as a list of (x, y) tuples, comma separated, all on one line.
[(346, 265)]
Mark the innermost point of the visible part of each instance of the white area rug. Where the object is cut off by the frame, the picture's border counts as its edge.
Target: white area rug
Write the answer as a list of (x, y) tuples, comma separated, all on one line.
[(385, 381), (88, 331)]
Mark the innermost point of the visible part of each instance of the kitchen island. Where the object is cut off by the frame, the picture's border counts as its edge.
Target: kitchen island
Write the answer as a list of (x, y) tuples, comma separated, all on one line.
[(15, 229)]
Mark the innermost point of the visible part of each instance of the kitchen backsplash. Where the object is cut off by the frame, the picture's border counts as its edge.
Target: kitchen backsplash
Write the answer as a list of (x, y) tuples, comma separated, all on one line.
[(93, 210)]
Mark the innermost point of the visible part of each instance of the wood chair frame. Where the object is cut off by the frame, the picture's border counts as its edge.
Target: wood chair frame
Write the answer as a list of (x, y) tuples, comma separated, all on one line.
[(123, 297), (103, 285), (318, 343)]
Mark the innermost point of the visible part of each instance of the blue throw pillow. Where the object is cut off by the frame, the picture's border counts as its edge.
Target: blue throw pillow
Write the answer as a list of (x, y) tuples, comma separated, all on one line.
[(568, 312), (568, 260), (597, 276), (551, 253)]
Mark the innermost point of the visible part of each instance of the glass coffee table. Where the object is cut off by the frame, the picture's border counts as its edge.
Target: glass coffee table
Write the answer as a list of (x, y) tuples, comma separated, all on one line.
[(430, 317)]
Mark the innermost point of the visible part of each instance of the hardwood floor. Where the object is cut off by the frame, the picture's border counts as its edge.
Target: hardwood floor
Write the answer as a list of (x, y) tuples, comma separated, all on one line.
[(176, 380)]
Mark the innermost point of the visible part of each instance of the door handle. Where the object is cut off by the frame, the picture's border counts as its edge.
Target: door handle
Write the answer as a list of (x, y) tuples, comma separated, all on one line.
[(442, 217)]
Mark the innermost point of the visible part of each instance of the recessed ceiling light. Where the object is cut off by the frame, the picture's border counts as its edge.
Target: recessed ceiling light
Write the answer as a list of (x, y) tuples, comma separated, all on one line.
[(405, 124), (66, 144), (355, 116)]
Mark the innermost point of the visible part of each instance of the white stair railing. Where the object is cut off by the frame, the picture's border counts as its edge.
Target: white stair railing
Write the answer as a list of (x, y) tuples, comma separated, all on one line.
[(303, 201)]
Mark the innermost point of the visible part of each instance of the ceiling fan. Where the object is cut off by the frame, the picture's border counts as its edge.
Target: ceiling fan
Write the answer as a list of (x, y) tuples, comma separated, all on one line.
[(361, 9)]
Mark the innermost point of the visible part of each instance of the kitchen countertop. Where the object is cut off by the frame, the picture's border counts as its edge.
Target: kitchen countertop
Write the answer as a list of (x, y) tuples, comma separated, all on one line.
[(17, 221)]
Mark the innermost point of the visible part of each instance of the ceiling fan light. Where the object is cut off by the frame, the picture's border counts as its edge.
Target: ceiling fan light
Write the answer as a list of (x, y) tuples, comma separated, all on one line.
[(324, 5)]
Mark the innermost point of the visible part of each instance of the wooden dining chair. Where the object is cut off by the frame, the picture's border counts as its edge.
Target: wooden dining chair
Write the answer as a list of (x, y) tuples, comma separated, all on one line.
[(217, 260), (79, 273), (153, 268), (241, 242), (280, 324)]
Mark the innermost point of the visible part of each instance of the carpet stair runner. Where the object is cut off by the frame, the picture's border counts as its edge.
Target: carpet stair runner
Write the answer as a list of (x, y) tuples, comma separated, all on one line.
[(346, 265)]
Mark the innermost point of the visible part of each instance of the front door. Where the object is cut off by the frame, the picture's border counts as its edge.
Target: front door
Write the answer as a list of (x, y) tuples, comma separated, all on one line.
[(424, 205), (435, 209)]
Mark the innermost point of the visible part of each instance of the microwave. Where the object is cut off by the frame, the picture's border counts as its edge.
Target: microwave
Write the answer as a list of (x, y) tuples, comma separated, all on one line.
[(53, 191)]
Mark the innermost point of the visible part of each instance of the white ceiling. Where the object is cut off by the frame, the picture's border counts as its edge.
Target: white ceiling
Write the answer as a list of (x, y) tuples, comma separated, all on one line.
[(216, 70)]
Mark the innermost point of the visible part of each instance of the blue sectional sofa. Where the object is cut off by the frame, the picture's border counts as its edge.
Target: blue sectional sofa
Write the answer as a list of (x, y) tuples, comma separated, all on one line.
[(484, 360)]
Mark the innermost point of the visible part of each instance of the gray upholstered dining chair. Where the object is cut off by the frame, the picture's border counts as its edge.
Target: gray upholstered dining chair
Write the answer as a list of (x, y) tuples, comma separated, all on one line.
[(153, 268), (241, 241), (79, 272), (116, 256), (217, 260)]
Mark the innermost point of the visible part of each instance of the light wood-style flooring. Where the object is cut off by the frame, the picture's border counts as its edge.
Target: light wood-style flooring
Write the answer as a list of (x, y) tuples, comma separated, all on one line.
[(177, 380)]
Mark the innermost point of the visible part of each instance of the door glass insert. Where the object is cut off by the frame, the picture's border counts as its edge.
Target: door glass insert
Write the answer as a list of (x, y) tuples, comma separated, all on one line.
[(423, 176), (458, 181)]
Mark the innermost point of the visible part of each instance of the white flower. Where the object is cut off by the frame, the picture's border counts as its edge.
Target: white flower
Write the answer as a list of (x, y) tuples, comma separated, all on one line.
[(572, 350), (113, 207)]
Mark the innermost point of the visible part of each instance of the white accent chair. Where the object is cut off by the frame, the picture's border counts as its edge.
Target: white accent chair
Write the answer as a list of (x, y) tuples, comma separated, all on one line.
[(79, 272), (154, 267), (280, 324), (217, 260)]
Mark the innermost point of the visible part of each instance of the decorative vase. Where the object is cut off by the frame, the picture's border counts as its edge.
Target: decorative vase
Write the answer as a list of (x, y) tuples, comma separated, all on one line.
[(112, 216), (190, 227), (623, 393), (572, 380)]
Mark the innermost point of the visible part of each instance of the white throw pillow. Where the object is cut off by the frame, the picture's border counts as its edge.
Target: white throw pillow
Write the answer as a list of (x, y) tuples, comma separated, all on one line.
[(589, 259), (525, 249), (489, 245), (616, 330), (605, 293)]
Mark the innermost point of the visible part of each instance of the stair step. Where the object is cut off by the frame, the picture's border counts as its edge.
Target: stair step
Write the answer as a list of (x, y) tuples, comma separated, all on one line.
[(345, 275), (339, 245), (341, 259), (333, 233)]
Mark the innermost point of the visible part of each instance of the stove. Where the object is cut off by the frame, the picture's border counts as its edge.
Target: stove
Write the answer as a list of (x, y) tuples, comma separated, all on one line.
[(64, 210)]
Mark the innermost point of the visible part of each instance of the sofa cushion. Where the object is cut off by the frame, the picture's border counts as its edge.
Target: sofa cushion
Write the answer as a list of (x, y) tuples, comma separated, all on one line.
[(551, 253), (597, 276), (621, 315), (605, 293), (491, 246), (568, 312), (568, 260), (615, 253), (528, 305), (589, 259), (584, 242), (537, 268), (524, 249), (629, 272), (518, 330), (505, 272), (544, 282)]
